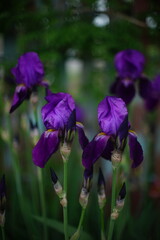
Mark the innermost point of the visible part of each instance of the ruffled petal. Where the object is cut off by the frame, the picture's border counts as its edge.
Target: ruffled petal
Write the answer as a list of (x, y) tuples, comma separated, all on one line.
[(46, 146), (29, 69), (129, 63), (21, 93), (94, 150), (111, 113), (56, 112), (83, 140), (136, 152)]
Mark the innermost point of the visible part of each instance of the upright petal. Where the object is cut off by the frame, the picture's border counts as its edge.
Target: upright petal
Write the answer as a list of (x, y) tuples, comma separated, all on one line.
[(21, 93), (129, 63), (83, 140), (29, 69), (111, 113), (56, 112), (136, 152), (94, 150), (46, 146)]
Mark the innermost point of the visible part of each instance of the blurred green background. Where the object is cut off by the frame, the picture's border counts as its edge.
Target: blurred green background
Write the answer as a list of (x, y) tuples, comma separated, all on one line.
[(77, 41)]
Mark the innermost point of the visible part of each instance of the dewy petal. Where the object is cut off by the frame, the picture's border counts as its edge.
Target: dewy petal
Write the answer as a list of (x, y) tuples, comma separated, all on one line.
[(126, 90), (21, 93), (94, 150), (46, 146), (111, 113), (29, 69), (136, 152), (83, 140), (56, 113), (129, 63)]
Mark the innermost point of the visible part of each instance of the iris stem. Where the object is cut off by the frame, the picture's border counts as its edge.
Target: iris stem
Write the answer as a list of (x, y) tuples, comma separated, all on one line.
[(81, 219), (65, 209), (3, 233), (112, 222), (42, 199), (102, 224), (76, 235)]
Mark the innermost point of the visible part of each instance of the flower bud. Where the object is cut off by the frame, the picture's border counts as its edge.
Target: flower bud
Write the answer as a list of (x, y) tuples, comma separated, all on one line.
[(83, 199), (116, 158), (65, 150), (114, 214), (121, 198), (101, 190)]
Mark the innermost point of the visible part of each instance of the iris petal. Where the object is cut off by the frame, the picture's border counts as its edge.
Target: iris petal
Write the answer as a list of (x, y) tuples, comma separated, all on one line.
[(46, 146), (111, 113), (94, 150), (136, 152), (21, 93), (83, 140)]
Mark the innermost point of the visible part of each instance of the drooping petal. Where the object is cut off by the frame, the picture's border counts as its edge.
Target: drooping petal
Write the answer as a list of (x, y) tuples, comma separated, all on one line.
[(29, 69), (145, 87), (129, 63), (56, 113), (94, 150), (136, 152), (21, 93), (110, 146), (83, 140), (111, 113), (126, 90), (46, 146)]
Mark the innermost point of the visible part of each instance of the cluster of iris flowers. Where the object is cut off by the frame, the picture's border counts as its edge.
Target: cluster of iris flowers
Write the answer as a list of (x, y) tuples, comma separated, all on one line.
[(62, 120)]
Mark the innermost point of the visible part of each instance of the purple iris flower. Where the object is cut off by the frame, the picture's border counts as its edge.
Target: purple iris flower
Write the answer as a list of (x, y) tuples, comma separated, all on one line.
[(60, 119), (152, 93), (129, 65), (113, 121), (28, 74)]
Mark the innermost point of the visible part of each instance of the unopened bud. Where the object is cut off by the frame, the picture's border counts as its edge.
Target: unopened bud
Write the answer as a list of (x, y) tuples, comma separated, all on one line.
[(120, 204), (63, 202), (114, 214), (102, 199), (116, 157), (65, 151), (83, 199), (101, 190), (2, 219), (34, 98)]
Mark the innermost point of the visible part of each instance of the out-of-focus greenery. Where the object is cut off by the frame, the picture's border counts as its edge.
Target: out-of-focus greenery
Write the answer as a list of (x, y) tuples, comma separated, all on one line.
[(59, 31)]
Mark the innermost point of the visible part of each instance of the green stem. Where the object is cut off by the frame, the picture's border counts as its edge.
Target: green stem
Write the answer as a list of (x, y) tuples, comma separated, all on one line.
[(3, 233), (42, 199), (81, 219), (65, 210), (102, 223), (76, 235), (111, 224)]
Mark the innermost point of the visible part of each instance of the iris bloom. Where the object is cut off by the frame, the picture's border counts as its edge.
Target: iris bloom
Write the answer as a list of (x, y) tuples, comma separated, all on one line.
[(115, 129), (152, 93), (28, 74), (60, 119), (129, 65)]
